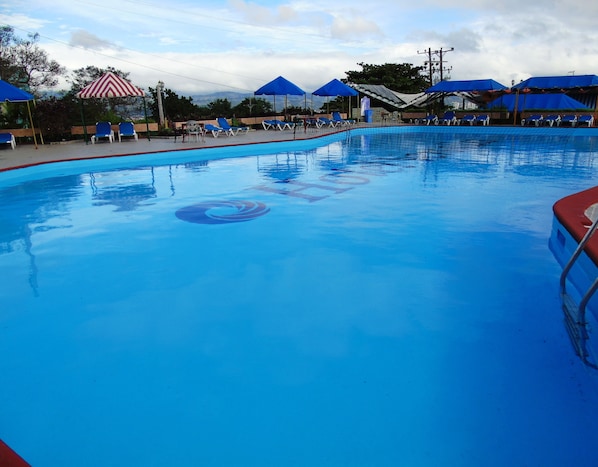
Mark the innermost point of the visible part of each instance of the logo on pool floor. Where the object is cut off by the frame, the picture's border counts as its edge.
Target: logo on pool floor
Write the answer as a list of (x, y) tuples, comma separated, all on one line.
[(222, 212)]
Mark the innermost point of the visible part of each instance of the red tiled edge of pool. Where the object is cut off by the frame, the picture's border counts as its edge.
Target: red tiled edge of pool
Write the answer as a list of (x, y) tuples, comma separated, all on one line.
[(9, 458), (570, 212)]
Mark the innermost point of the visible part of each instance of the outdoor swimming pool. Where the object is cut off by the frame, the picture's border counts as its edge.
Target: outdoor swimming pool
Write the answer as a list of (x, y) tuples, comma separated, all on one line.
[(385, 297)]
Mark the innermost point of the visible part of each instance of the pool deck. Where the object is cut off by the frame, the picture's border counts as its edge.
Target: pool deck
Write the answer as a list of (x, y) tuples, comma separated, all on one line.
[(26, 155)]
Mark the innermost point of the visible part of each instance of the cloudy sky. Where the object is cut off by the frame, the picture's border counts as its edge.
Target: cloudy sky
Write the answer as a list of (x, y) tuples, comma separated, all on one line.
[(198, 46)]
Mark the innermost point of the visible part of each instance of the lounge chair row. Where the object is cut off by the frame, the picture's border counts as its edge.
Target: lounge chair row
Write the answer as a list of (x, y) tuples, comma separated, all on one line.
[(557, 120), (318, 122), (194, 129), (449, 118)]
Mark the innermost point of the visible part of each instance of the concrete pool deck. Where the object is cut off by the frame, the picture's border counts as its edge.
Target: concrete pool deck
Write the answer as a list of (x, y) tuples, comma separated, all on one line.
[(27, 155)]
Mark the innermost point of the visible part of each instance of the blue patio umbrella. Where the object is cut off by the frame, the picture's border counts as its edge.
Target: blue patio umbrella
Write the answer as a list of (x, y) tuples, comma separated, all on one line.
[(10, 93), (335, 88), (280, 87)]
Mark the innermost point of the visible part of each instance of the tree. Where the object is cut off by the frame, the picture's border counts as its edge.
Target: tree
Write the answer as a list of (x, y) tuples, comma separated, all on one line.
[(7, 40), (220, 108), (23, 63), (403, 77), (252, 107), (55, 116), (176, 108)]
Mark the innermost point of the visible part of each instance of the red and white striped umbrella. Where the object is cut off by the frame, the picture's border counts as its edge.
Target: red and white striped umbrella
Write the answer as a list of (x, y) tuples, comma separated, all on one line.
[(110, 85)]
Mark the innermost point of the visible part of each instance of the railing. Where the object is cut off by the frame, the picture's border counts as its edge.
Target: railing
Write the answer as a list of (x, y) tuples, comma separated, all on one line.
[(575, 315)]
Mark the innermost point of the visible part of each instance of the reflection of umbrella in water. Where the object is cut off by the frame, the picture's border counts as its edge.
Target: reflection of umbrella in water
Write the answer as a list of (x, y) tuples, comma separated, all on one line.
[(336, 88), (124, 197), (282, 167), (17, 225), (280, 87)]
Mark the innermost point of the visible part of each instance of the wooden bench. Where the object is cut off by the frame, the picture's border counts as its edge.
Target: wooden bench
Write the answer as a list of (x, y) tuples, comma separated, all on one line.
[(23, 133), (412, 117)]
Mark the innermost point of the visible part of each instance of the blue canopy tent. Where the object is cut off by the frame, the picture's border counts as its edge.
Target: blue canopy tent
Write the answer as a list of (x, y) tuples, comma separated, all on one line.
[(558, 83), (583, 88), (280, 87), (336, 88), (479, 91), (475, 85), (10, 93), (524, 101)]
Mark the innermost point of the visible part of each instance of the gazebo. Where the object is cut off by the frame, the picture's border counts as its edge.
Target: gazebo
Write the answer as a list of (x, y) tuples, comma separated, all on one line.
[(109, 86)]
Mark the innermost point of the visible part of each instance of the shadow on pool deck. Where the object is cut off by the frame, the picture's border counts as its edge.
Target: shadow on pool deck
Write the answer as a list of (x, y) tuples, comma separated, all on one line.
[(26, 154)]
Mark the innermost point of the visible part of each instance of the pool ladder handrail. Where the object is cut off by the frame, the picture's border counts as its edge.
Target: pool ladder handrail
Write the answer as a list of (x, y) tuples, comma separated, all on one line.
[(575, 315)]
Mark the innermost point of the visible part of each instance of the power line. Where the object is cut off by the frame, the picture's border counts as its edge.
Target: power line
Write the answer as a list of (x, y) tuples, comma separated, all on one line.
[(435, 64), (111, 57)]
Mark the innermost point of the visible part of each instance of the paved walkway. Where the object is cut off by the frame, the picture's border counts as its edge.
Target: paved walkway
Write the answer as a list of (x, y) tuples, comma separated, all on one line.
[(26, 154)]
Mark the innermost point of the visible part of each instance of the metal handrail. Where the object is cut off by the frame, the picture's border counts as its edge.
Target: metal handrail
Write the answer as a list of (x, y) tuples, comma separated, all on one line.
[(585, 300), (576, 254)]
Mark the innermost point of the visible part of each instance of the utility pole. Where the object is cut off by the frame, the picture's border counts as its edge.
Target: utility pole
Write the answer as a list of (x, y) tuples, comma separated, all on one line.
[(159, 89), (436, 63), (429, 63), (441, 53)]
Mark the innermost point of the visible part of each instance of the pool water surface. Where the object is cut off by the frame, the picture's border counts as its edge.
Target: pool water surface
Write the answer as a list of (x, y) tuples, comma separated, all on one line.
[(380, 298)]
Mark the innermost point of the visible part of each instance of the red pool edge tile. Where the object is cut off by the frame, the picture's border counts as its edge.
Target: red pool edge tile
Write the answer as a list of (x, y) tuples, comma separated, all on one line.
[(9, 458), (570, 212)]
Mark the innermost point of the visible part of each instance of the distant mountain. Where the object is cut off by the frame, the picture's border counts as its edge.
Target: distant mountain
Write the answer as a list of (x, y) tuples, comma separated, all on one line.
[(237, 97), (233, 97)]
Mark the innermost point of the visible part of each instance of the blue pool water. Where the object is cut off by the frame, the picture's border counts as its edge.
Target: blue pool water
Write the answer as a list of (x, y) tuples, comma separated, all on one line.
[(382, 298)]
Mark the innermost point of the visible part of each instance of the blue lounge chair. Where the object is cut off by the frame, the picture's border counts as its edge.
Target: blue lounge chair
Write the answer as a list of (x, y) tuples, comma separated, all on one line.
[(269, 124), (103, 131), (482, 119), (126, 130), (325, 121), (336, 117), (469, 118), (553, 120), (535, 119), (585, 120), (233, 130), (8, 138), (430, 120), (276, 125), (569, 120), (448, 118), (216, 130)]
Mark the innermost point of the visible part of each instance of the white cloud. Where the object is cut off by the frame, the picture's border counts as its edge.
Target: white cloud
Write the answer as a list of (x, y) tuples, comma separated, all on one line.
[(81, 38), (198, 46), (354, 27)]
